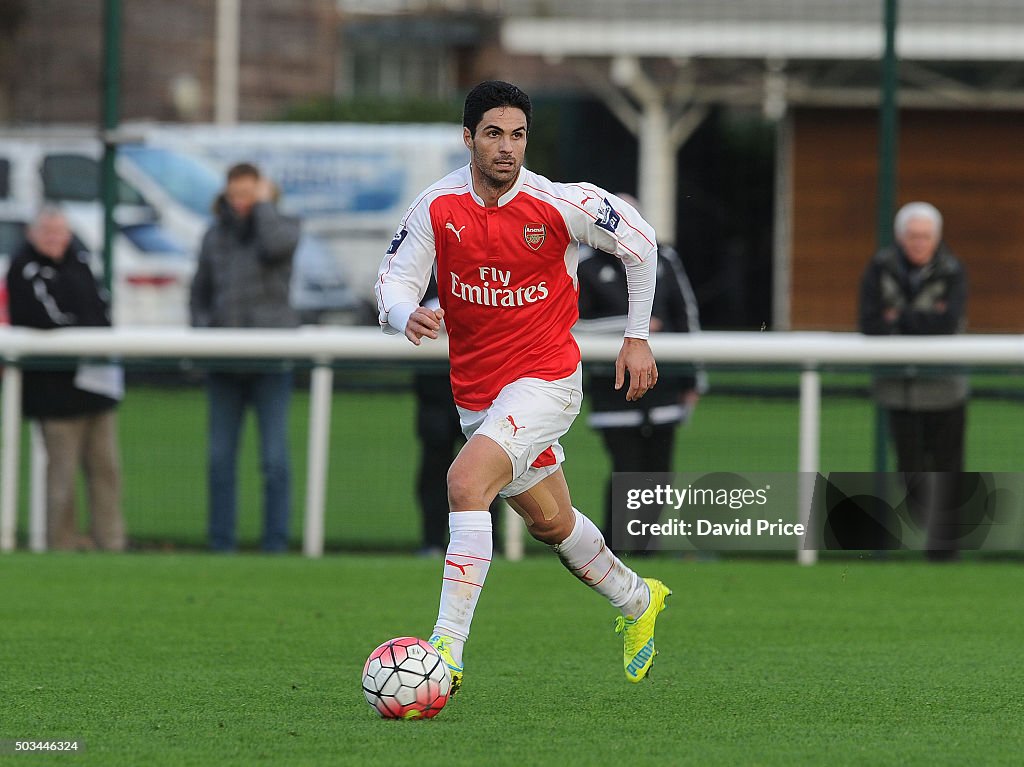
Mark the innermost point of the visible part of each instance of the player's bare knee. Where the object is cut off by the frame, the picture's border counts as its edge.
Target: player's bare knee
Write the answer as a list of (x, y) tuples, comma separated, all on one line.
[(545, 533), (464, 490), (555, 530), (548, 520)]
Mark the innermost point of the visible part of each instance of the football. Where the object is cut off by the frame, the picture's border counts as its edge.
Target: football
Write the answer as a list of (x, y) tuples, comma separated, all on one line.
[(405, 678)]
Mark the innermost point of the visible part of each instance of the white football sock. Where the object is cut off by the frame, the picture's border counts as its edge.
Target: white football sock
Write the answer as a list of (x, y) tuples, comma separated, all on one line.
[(586, 556), (465, 568)]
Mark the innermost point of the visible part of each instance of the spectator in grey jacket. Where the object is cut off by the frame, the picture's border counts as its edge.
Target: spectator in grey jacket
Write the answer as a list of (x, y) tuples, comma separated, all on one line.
[(918, 287), (242, 281)]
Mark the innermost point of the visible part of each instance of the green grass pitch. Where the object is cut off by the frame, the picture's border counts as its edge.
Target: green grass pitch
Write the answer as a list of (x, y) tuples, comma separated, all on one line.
[(192, 659)]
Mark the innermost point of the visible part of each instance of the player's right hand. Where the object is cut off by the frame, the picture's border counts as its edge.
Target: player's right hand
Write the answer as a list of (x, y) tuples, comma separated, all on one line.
[(635, 358), (423, 322)]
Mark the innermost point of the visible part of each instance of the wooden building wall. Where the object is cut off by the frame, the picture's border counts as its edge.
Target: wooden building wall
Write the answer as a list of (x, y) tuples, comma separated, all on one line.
[(53, 58), (968, 164)]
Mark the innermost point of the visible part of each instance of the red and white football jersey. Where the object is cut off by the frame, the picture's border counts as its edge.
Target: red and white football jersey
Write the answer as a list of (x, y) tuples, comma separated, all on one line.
[(506, 275)]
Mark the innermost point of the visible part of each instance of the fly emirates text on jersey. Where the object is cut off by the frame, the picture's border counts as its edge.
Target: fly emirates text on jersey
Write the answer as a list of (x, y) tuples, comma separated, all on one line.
[(494, 289)]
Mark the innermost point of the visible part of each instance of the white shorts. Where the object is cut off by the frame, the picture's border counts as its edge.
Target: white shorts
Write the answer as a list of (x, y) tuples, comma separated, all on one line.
[(526, 419)]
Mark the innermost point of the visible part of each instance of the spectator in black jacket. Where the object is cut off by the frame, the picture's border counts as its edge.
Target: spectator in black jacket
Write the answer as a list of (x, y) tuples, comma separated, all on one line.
[(50, 285), (639, 436), (918, 287)]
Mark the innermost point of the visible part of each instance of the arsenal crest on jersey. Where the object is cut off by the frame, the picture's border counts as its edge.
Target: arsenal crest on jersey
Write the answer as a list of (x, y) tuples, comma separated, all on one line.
[(534, 235)]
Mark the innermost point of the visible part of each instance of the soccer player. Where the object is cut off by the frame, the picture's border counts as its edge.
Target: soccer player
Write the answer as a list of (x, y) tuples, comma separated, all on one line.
[(503, 244)]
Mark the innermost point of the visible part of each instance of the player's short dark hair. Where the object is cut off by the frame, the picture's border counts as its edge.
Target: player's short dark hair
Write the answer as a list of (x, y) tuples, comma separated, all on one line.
[(490, 94), (243, 170)]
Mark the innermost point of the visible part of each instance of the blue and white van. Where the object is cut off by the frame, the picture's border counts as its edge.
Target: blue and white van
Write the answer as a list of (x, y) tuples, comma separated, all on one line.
[(349, 183)]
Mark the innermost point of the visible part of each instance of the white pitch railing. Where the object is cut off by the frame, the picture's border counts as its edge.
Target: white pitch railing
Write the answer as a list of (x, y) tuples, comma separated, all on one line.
[(323, 346)]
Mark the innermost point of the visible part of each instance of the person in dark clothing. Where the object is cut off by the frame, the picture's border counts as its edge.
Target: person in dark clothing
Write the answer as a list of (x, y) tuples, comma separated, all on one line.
[(51, 285), (919, 287), (440, 436), (242, 280), (437, 428), (639, 436)]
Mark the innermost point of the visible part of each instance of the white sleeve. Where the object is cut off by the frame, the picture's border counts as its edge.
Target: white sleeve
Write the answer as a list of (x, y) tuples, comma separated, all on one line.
[(405, 271), (609, 223), (640, 282), (398, 317)]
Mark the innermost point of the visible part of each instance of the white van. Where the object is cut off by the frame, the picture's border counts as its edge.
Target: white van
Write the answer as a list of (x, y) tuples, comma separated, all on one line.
[(151, 268), (165, 201), (349, 183), (182, 184)]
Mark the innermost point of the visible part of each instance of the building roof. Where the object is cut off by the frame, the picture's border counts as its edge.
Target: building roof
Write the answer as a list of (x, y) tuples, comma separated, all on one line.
[(755, 11), (744, 39), (929, 30), (954, 53), (951, 12)]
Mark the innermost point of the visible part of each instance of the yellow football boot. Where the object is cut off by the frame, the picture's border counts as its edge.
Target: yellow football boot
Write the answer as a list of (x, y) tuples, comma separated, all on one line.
[(638, 633), (440, 643)]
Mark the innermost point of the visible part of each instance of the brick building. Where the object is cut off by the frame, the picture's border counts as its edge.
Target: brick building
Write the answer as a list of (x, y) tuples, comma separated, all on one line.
[(50, 58)]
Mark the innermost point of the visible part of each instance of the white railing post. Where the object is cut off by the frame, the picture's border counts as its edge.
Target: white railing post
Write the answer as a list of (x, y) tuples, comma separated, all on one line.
[(810, 431), (321, 388), (10, 416), (37, 490), (512, 525)]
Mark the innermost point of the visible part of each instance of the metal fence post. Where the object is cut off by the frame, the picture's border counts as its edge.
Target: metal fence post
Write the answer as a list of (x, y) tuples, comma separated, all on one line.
[(321, 388), (810, 434), (10, 415)]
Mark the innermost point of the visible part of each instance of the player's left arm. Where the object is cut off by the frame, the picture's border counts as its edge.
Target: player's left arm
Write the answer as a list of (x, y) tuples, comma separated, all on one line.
[(403, 278), (609, 223)]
